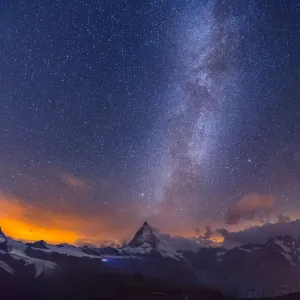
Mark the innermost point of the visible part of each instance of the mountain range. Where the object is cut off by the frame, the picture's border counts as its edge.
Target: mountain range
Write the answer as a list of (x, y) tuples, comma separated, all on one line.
[(40, 268)]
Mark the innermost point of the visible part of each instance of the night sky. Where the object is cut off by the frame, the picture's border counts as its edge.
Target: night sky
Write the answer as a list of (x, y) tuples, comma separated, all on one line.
[(182, 113)]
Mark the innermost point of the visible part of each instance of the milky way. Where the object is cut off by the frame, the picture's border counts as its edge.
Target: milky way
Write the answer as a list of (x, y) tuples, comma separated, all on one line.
[(207, 35)]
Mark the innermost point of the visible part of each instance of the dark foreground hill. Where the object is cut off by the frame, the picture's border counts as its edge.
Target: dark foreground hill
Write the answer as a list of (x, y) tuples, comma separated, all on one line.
[(91, 284)]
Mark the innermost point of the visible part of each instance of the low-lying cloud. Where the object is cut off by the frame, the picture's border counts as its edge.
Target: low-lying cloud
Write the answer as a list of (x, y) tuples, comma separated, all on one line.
[(250, 207), (260, 234), (179, 242)]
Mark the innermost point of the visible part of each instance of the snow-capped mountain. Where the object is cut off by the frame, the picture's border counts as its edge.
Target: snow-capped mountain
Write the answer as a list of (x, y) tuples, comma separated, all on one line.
[(277, 260), (144, 235), (14, 260), (286, 247), (256, 265), (145, 241)]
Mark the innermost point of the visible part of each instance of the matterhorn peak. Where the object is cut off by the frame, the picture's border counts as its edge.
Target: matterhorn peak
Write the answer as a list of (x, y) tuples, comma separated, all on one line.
[(146, 241), (144, 235), (146, 224)]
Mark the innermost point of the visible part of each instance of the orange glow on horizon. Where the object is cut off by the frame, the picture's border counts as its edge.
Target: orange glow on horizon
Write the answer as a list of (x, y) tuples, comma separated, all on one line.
[(217, 239), (31, 223), (27, 232)]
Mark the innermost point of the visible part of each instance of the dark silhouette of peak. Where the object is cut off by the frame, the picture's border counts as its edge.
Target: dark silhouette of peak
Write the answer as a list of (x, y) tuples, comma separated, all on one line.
[(3, 241), (1, 232), (144, 235)]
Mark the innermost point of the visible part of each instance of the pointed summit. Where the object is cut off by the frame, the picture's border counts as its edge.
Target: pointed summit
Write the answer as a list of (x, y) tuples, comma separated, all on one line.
[(143, 236), (146, 241), (1, 232), (3, 241)]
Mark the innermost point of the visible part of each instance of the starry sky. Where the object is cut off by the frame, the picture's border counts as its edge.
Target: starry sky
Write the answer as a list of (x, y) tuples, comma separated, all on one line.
[(182, 113)]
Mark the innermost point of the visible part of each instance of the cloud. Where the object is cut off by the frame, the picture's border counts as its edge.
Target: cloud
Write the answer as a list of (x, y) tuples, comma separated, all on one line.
[(260, 234), (179, 242), (100, 243), (208, 238), (249, 207), (73, 181), (283, 218), (208, 233)]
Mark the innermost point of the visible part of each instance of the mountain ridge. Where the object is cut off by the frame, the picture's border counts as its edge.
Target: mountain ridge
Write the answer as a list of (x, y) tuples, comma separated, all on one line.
[(276, 260)]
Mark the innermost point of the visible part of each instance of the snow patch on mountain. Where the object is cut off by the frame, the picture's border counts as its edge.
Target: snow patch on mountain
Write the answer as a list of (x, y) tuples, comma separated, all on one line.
[(41, 266), (64, 249), (13, 244), (282, 245), (245, 249), (6, 267)]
